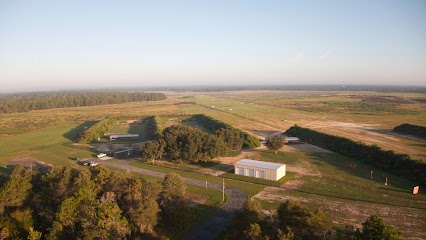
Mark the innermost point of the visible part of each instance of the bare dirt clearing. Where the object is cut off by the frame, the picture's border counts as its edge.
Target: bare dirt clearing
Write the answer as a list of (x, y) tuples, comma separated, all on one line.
[(408, 220), (28, 162)]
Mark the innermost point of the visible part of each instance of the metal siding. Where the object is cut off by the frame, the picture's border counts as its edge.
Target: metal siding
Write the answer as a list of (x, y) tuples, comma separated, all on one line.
[(269, 174)]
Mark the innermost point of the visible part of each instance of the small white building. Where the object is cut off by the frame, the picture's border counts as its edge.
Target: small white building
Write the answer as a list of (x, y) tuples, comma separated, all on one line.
[(259, 169), (292, 139)]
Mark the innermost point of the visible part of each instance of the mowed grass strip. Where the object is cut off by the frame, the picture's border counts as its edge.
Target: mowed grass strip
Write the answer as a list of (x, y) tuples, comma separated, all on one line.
[(250, 188), (326, 174), (232, 175), (39, 139)]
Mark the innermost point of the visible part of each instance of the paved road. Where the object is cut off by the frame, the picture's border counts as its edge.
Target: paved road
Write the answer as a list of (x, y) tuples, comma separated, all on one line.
[(215, 224)]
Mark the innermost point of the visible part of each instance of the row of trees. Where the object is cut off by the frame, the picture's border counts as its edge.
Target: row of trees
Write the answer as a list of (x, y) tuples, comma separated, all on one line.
[(66, 203), (96, 131), (214, 125), (295, 221), (38, 102), (186, 143), (418, 131), (399, 164)]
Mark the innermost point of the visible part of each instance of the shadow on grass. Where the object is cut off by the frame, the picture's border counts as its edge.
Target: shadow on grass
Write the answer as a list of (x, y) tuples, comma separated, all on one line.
[(362, 170), (73, 134), (265, 133), (395, 190)]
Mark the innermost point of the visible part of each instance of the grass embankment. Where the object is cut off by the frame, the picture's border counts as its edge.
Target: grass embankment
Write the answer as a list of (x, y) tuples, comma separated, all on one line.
[(250, 188)]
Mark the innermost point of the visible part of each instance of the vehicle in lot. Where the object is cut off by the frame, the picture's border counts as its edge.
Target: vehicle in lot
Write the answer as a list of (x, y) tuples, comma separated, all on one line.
[(101, 155), (90, 163)]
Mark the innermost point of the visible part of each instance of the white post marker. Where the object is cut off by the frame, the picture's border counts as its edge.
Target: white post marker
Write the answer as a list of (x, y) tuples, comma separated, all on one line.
[(223, 190), (206, 184), (386, 183)]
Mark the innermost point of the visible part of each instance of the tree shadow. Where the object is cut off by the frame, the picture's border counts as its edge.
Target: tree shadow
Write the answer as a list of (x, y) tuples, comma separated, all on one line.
[(73, 133), (145, 127), (264, 133)]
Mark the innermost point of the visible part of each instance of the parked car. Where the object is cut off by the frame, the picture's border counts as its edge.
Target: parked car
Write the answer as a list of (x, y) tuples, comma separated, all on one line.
[(101, 155), (90, 163)]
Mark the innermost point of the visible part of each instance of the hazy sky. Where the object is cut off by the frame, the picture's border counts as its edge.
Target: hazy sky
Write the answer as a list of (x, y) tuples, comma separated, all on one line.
[(98, 43)]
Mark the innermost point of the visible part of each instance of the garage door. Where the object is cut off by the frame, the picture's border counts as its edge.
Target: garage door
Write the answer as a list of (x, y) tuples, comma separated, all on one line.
[(251, 172), (260, 174), (240, 171)]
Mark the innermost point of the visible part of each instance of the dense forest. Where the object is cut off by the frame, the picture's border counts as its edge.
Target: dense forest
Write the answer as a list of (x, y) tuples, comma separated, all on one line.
[(214, 125), (398, 164), (414, 130), (95, 203), (96, 131), (294, 221), (23, 103), (187, 143)]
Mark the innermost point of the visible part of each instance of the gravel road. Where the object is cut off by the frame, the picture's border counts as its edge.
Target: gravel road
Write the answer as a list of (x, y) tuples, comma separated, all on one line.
[(215, 224)]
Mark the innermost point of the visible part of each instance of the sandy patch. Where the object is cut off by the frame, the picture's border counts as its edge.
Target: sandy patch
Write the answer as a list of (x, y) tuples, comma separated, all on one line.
[(293, 184), (28, 162), (194, 199), (273, 194)]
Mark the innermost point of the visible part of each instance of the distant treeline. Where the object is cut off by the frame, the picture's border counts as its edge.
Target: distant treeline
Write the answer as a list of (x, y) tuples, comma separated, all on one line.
[(96, 131), (348, 88), (414, 130), (28, 102), (398, 164), (214, 125)]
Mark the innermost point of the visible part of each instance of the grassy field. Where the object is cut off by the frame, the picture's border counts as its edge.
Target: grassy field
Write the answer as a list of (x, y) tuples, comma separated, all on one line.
[(319, 179), (263, 112)]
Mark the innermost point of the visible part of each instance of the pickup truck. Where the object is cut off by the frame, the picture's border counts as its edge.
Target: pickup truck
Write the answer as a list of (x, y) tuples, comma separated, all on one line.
[(101, 155)]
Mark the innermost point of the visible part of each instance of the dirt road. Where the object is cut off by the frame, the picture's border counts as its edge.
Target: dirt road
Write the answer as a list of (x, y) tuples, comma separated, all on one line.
[(216, 223)]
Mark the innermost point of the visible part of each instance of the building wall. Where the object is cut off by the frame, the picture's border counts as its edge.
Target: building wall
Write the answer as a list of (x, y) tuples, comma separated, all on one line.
[(269, 174)]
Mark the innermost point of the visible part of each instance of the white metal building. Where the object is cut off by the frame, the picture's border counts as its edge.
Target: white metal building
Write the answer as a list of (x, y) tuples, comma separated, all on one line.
[(259, 169), (292, 139)]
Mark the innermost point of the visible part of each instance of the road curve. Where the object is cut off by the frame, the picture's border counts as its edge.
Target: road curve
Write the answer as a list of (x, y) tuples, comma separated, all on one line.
[(215, 224)]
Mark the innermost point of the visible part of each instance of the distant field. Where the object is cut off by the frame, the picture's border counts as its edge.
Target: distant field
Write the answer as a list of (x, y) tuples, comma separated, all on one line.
[(264, 112)]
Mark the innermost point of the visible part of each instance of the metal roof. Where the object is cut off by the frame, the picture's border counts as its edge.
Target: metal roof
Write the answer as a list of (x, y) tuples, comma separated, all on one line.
[(129, 135), (260, 164), (292, 138), (127, 150)]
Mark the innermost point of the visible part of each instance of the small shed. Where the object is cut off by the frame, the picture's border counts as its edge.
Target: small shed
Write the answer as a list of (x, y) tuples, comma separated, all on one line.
[(260, 169), (124, 153), (124, 137), (292, 139)]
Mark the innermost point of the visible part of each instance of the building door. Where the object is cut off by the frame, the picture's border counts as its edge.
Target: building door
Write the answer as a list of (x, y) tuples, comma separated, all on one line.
[(250, 172), (261, 174), (240, 171)]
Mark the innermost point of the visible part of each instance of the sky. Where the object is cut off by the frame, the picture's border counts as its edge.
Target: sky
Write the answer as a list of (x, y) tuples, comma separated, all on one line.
[(51, 45)]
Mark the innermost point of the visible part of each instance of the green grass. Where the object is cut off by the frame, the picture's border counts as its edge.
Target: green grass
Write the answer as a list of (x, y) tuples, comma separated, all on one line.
[(249, 188), (287, 177), (39, 139)]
